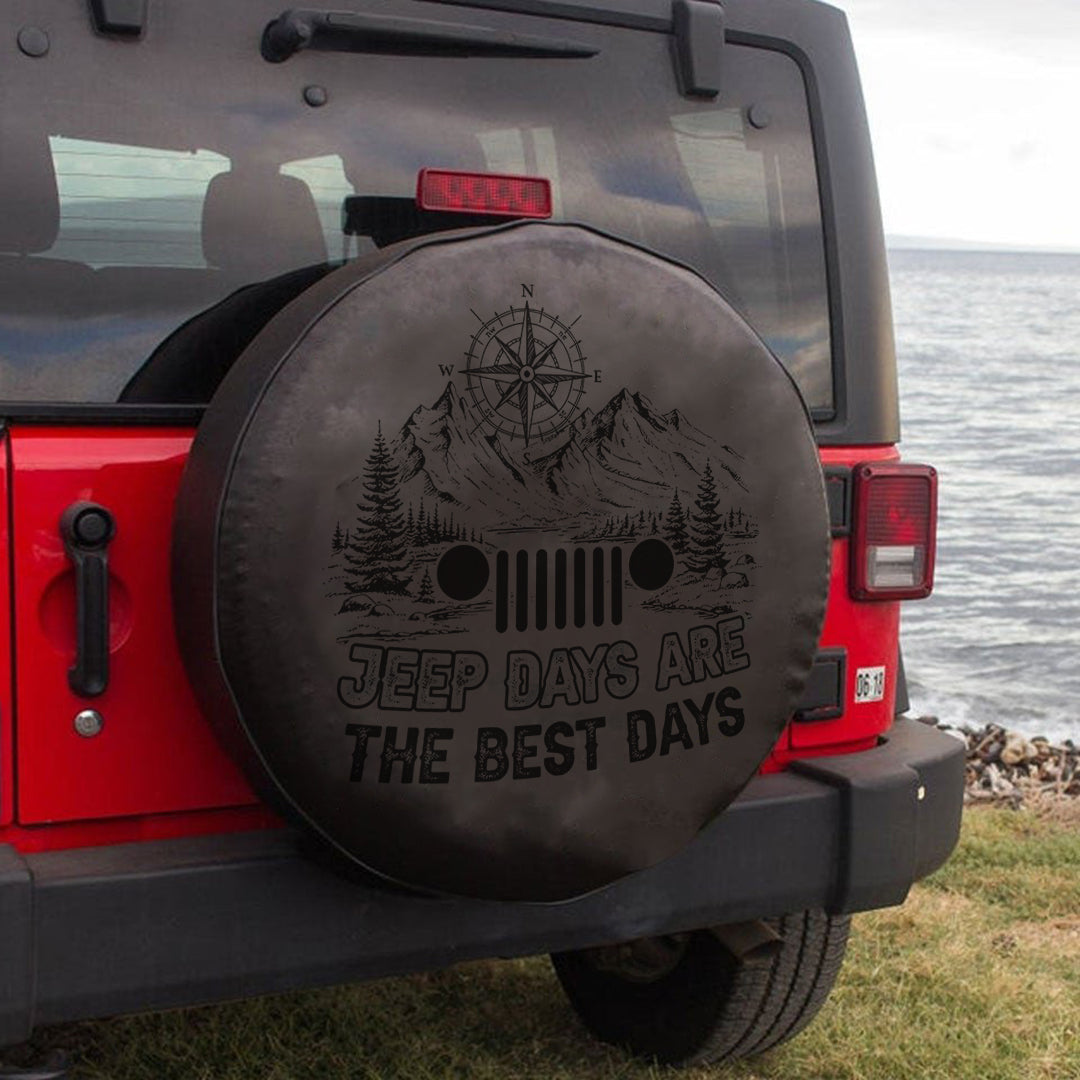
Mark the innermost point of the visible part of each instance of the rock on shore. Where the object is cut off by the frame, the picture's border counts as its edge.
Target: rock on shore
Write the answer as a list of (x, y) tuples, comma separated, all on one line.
[(1006, 766)]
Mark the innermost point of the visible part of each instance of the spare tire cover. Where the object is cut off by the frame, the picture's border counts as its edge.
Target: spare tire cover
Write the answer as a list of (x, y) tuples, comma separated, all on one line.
[(501, 558)]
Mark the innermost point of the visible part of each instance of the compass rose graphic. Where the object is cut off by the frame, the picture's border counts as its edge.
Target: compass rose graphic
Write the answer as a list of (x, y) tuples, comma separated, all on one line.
[(526, 373)]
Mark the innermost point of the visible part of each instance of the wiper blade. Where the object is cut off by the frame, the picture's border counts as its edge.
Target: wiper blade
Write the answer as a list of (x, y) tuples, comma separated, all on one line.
[(345, 31)]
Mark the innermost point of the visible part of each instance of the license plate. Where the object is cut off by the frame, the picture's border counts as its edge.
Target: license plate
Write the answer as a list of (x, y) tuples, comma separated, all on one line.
[(869, 684)]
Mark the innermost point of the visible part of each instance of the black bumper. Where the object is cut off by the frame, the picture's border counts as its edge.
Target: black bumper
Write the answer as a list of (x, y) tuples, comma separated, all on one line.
[(99, 931)]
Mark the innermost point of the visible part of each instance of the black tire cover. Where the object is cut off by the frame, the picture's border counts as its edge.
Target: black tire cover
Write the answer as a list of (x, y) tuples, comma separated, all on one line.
[(501, 558)]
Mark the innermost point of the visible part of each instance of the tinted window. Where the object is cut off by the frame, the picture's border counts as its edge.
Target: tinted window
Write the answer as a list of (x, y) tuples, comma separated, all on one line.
[(130, 205), (195, 171)]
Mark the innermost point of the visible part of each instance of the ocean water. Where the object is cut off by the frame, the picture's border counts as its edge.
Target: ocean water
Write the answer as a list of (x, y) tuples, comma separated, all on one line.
[(988, 349)]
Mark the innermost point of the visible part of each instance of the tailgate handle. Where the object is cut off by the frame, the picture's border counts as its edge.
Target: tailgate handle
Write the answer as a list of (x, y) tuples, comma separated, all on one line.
[(699, 40), (347, 31), (87, 529)]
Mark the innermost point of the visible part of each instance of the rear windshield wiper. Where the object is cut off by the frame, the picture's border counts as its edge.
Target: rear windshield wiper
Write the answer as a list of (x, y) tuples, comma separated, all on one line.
[(344, 31)]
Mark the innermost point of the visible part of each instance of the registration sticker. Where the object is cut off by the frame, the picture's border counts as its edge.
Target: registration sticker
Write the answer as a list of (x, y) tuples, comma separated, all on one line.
[(869, 684)]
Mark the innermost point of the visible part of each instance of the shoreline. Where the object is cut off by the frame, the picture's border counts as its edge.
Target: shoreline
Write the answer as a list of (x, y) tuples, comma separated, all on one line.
[(1007, 767)]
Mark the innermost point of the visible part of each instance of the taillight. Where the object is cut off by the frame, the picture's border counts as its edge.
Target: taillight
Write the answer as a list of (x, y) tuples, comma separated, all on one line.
[(483, 193), (895, 532)]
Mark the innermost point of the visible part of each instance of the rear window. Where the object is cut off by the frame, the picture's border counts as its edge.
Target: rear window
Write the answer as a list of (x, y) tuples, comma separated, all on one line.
[(189, 176)]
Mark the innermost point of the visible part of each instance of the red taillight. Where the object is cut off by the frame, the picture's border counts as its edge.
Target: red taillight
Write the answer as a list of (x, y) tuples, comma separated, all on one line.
[(895, 532), (483, 193)]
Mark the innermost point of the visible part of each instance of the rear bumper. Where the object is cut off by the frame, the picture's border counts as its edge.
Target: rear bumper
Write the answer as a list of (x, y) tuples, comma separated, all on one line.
[(99, 931)]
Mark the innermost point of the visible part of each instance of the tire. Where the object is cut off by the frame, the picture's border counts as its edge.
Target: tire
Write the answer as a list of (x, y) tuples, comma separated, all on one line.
[(700, 1004), (486, 640)]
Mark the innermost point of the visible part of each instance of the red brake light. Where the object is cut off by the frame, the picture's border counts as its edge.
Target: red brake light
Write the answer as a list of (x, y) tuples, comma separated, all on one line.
[(894, 538), (483, 193)]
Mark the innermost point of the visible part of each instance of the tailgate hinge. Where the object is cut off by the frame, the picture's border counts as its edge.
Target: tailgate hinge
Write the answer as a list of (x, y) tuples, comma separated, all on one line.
[(698, 26)]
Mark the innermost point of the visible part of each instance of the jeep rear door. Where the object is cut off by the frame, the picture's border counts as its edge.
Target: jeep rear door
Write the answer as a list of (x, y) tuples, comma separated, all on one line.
[(167, 188)]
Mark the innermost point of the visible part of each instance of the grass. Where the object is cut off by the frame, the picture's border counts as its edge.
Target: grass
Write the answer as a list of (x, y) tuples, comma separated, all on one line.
[(976, 976)]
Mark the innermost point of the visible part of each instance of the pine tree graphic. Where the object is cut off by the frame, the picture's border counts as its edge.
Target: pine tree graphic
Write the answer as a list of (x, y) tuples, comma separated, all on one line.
[(376, 555), (706, 551), (420, 532), (675, 527), (338, 541), (426, 589)]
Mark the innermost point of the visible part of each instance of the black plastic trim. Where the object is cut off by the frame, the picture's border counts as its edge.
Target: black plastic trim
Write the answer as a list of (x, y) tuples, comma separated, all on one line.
[(838, 488), (65, 412), (892, 817), (171, 923), (903, 703), (124, 18), (823, 695), (698, 27), (387, 219)]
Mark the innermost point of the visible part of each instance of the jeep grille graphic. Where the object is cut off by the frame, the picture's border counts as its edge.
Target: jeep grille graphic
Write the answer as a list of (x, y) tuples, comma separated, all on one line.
[(582, 587)]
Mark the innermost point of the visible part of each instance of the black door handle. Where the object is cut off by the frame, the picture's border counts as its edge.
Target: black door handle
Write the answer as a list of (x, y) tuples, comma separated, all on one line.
[(87, 529)]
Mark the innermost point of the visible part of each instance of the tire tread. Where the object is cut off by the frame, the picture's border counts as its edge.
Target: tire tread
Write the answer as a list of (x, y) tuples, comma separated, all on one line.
[(756, 1004)]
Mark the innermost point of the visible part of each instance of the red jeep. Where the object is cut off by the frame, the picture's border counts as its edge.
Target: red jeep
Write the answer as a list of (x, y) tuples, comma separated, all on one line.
[(453, 509)]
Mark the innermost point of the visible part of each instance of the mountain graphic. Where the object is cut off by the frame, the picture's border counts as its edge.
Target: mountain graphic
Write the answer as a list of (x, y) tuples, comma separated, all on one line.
[(624, 458)]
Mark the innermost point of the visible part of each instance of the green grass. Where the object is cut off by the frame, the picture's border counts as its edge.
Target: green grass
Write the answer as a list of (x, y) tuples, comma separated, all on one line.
[(976, 977)]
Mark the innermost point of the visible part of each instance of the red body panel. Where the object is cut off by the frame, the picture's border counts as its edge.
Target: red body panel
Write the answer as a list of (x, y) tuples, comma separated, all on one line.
[(7, 728), (156, 771), (155, 753), (869, 632)]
